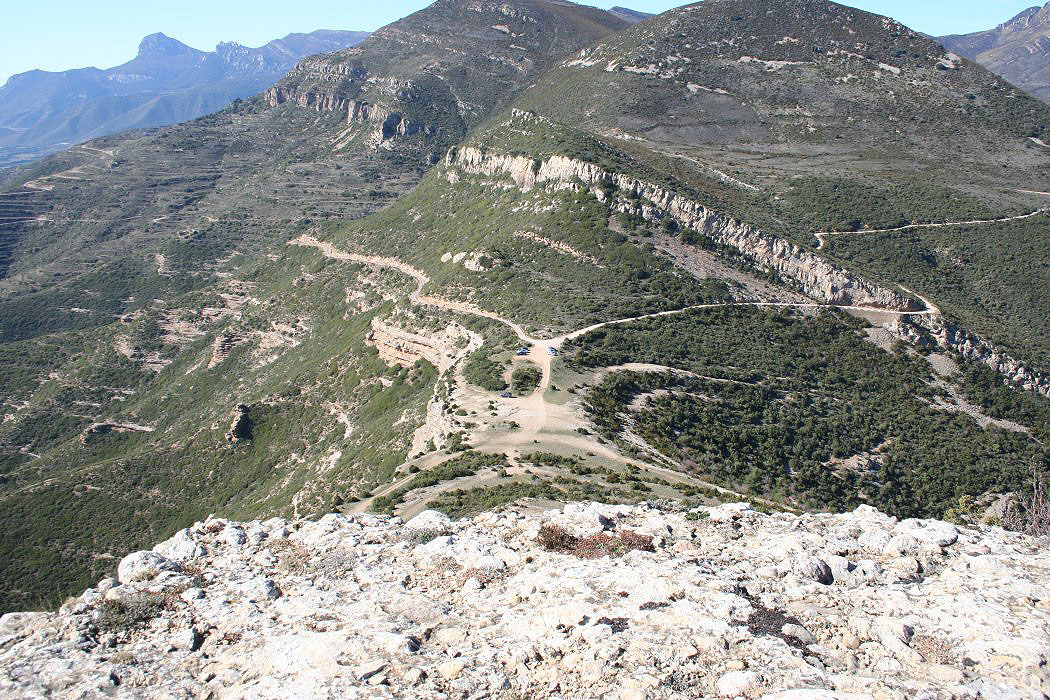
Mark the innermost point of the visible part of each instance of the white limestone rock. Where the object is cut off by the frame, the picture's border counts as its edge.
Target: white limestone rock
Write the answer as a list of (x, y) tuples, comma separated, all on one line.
[(930, 532), (144, 566), (739, 604), (429, 520), (737, 683), (180, 547)]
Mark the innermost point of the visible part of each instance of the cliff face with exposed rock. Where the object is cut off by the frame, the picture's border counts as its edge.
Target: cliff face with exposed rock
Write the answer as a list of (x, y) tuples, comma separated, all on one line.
[(947, 334), (814, 275), (467, 72), (590, 601), (398, 346)]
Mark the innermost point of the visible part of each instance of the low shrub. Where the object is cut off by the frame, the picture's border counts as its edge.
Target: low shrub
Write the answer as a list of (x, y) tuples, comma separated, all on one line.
[(424, 535), (525, 379), (130, 613), (556, 539)]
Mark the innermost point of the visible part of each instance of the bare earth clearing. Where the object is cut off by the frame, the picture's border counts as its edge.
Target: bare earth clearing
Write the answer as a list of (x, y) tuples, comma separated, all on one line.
[(544, 419)]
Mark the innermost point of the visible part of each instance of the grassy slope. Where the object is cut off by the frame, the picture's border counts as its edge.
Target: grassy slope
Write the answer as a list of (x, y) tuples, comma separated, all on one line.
[(112, 492), (525, 280)]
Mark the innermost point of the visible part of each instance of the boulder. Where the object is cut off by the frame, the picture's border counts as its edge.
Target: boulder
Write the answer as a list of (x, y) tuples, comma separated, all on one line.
[(815, 569), (180, 547), (929, 532), (737, 683), (429, 520), (144, 566)]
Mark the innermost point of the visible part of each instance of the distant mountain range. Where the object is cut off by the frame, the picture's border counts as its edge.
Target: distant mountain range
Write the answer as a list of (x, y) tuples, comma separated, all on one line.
[(1018, 50), (629, 15), (168, 82)]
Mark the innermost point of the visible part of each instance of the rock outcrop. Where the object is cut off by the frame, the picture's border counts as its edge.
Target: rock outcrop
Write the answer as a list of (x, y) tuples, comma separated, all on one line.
[(716, 602), (326, 80), (222, 346), (813, 274), (951, 336), (387, 123), (241, 425), (96, 430), (399, 346)]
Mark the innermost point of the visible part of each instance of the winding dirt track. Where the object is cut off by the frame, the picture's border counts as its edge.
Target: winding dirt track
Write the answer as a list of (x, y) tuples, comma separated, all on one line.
[(822, 236), (540, 347), (534, 413)]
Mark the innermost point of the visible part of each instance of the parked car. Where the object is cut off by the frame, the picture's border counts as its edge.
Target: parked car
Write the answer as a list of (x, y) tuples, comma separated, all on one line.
[(506, 395)]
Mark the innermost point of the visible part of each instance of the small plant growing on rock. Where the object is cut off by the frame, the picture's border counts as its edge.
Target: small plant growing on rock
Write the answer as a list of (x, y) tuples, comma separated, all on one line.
[(292, 557), (1030, 514), (423, 535), (556, 539), (130, 613), (964, 512)]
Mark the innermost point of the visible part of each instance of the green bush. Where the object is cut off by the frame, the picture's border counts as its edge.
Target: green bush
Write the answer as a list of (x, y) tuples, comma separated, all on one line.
[(526, 378), (482, 371)]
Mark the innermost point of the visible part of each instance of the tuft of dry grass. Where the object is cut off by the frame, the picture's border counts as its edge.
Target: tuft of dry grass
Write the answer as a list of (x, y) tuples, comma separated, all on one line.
[(292, 557), (556, 539), (130, 613), (1030, 514)]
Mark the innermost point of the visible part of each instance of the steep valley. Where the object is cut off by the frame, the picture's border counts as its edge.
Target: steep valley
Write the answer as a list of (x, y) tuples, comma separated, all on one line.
[(555, 257)]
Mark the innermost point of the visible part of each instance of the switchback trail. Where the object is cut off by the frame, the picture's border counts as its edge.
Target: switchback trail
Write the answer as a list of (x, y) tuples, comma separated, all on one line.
[(422, 279), (822, 236), (536, 414), (543, 350)]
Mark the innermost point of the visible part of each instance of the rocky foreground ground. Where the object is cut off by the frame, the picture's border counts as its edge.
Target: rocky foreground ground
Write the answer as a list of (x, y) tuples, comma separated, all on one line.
[(591, 601)]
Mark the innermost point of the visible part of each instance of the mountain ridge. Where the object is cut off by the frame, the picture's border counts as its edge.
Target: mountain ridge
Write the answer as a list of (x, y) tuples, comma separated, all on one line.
[(629, 14), (1018, 49), (166, 82), (612, 601)]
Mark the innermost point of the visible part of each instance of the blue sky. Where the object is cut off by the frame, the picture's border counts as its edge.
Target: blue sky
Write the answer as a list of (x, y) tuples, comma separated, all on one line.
[(62, 34)]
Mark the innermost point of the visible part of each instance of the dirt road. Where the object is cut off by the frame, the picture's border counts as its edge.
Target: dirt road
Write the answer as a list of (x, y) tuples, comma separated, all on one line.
[(535, 419)]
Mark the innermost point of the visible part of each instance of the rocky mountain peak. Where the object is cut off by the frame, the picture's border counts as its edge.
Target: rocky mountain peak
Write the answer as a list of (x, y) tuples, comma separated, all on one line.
[(1029, 17), (229, 46), (478, 53), (1017, 49), (160, 44)]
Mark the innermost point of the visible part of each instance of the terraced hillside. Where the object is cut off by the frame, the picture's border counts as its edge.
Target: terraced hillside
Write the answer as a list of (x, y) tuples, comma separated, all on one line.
[(567, 273), (167, 82), (124, 254)]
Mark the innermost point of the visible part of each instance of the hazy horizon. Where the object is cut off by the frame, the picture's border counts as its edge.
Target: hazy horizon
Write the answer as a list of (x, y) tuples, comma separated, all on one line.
[(107, 33)]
